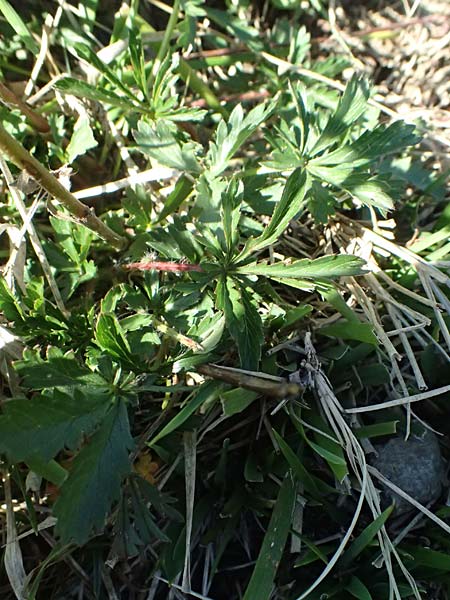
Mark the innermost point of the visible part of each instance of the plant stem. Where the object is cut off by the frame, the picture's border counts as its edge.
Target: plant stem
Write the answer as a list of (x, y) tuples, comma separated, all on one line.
[(34, 118), (165, 42), (17, 154)]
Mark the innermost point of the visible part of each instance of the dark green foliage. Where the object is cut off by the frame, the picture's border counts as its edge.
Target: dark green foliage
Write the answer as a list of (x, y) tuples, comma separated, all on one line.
[(230, 260)]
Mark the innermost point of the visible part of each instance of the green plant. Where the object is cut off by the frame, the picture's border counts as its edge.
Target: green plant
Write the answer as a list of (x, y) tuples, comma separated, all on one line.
[(122, 317)]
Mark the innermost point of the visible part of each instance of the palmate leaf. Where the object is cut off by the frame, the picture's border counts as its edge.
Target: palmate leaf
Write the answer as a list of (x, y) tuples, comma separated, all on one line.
[(371, 145), (292, 202), (326, 266), (373, 191), (110, 337), (45, 424), (56, 371), (351, 106), (232, 134), (95, 478), (94, 61), (160, 143), (242, 320)]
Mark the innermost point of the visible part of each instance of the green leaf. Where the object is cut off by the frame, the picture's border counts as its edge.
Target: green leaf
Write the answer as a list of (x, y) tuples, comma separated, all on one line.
[(49, 470), (314, 553), (242, 319), (358, 589), (93, 60), (306, 285), (73, 238), (432, 559), (371, 192), (57, 371), (231, 213), (16, 22), (95, 478), (207, 392), (295, 314), (236, 27), (300, 106), (209, 331), (292, 203), (110, 337), (321, 202), (337, 301), (330, 266), (82, 139), (376, 430), (294, 462), (236, 400), (159, 142), (336, 461), (251, 471), (372, 144), (181, 191), (263, 576), (345, 330), (351, 106), (144, 521), (43, 425), (324, 446), (84, 90), (9, 306), (365, 538), (231, 135)]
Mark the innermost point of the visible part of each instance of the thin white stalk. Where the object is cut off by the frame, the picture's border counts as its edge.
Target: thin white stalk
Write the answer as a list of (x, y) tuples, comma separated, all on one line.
[(423, 509), (400, 401), (156, 174)]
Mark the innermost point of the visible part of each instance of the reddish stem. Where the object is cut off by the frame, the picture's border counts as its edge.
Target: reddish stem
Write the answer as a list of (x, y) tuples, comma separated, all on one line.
[(160, 265)]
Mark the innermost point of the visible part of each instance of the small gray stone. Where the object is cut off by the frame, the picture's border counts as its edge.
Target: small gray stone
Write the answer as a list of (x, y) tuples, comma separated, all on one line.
[(415, 466)]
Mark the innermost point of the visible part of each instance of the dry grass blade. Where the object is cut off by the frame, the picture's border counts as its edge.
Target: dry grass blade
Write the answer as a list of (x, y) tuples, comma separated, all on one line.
[(371, 294), (34, 238), (400, 401), (154, 174), (356, 458), (411, 500), (13, 554), (190, 454)]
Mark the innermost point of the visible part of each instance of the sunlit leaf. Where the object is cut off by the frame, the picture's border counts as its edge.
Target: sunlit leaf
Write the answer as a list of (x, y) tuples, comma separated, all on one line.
[(327, 267), (291, 204), (82, 139)]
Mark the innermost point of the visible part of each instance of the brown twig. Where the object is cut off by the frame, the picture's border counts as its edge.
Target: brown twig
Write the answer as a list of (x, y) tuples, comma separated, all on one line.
[(17, 154), (276, 387), (35, 119)]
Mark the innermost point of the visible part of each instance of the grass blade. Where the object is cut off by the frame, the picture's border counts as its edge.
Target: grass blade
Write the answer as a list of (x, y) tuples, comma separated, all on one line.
[(263, 576)]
